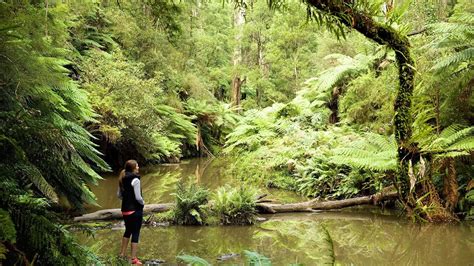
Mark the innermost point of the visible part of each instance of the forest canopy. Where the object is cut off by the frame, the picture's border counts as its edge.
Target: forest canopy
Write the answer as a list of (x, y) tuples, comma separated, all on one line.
[(330, 99)]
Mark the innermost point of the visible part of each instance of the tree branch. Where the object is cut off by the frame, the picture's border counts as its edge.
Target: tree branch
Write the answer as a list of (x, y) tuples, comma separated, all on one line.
[(416, 32)]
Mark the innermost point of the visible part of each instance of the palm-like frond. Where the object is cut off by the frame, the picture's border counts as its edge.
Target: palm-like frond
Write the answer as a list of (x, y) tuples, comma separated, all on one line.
[(453, 141), (318, 89), (372, 152), (454, 39), (456, 58), (35, 176)]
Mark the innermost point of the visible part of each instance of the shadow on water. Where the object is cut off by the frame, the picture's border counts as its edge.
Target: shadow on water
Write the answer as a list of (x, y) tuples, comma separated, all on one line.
[(359, 236)]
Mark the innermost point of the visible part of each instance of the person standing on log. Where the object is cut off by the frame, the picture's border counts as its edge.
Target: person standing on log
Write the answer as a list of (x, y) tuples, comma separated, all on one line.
[(129, 191)]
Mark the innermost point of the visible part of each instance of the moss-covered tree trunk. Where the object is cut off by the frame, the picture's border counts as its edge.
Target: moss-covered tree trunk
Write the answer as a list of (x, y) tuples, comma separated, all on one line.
[(386, 35)]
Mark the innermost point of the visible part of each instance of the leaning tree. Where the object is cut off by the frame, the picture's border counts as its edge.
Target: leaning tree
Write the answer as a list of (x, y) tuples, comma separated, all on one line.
[(340, 15)]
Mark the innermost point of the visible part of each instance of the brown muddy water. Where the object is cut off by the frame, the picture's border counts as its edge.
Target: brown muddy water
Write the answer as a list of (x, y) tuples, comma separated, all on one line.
[(354, 236)]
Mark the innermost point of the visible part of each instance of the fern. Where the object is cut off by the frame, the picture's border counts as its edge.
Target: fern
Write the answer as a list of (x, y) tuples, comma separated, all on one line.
[(35, 176), (7, 231), (372, 152), (457, 58), (453, 141), (45, 151), (347, 66), (189, 201), (193, 260), (454, 38), (256, 259), (235, 205)]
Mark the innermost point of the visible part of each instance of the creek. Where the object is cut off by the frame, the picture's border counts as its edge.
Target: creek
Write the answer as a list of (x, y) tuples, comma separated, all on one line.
[(360, 236)]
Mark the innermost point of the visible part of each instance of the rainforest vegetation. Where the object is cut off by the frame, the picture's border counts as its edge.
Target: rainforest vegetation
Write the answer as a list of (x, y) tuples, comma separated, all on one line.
[(329, 99)]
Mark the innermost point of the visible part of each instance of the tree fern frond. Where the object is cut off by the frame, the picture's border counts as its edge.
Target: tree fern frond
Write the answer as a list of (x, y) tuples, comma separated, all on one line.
[(453, 141), (466, 55), (454, 137), (372, 152), (7, 230), (466, 144), (35, 176)]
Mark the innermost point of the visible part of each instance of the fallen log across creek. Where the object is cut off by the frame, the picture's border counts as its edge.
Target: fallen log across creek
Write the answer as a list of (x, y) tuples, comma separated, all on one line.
[(262, 206), (114, 214)]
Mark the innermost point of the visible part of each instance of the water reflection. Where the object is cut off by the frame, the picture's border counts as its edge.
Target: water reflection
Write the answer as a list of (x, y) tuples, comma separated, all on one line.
[(159, 182), (358, 238)]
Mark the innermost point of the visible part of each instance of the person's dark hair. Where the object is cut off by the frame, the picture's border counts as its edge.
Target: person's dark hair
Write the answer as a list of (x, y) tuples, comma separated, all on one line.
[(129, 166)]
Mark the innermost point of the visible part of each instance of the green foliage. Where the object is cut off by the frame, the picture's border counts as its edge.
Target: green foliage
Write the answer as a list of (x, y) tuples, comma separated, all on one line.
[(453, 141), (45, 151), (367, 102), (38, 231), (7, 232), (193, 260), (235, 205), (214, 121), (256, 259), (253, 258), (320, 87), (130, 107), (190, 201), (454, 40), (372, 152), (467, 204), (448, 68)]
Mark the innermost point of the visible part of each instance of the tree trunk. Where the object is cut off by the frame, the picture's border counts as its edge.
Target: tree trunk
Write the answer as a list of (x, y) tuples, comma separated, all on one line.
[(386, 35), (450, 185), (239, 21), (236, 90), (307, 206), (333, 104), (262, 65)]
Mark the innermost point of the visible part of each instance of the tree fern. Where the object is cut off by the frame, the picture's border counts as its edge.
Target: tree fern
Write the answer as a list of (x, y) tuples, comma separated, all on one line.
[(32, 173), (457, 58), (453, 141), (454, 38), (45, 152), (372, 152), (318, 90), (7, 231)]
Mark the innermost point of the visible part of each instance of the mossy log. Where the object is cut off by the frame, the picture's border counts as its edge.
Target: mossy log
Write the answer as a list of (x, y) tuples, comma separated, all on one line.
[(306, 206)]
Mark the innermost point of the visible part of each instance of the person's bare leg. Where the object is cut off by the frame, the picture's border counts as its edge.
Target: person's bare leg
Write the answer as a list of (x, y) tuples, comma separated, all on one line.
[(134, 250), (123, 248)]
